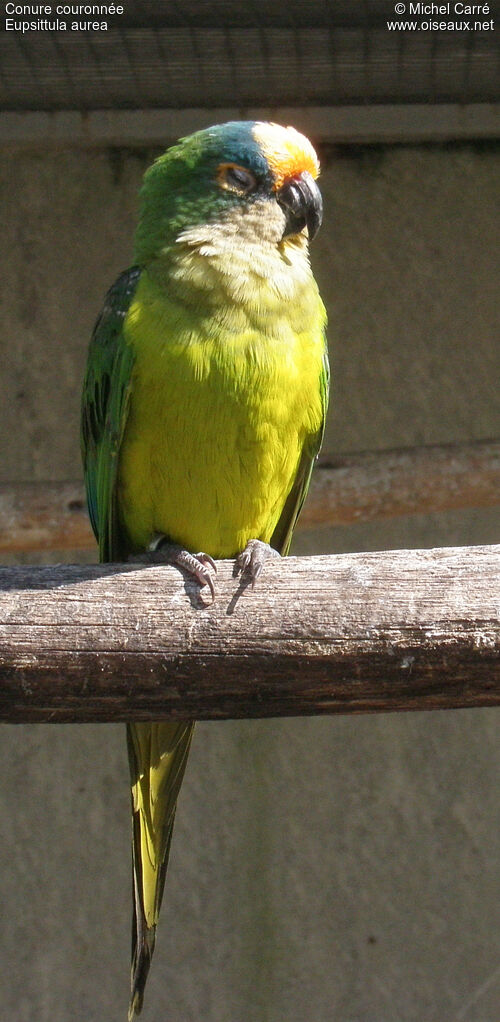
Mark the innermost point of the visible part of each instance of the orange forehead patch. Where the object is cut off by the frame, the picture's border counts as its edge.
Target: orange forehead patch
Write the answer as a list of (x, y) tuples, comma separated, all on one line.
[(287, 151)]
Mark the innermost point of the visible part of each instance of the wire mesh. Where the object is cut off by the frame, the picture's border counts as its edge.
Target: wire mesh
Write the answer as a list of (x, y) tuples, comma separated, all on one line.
[(210, 53)]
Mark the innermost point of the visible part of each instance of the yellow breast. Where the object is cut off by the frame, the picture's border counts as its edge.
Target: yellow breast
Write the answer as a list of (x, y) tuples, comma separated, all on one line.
[(221, 407)]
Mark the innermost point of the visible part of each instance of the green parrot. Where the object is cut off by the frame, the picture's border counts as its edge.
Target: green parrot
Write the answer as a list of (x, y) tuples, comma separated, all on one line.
[(204, 406)]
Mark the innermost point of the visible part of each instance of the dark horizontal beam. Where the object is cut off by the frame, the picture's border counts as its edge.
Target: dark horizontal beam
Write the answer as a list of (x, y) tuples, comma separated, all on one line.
[(351, 488), (357, 633)]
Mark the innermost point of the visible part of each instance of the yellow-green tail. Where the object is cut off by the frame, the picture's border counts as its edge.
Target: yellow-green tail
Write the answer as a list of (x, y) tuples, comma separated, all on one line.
[(157, 756)]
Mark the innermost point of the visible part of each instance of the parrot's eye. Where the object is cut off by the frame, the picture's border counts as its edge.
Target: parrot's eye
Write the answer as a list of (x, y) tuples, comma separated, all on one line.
[(235, 178)]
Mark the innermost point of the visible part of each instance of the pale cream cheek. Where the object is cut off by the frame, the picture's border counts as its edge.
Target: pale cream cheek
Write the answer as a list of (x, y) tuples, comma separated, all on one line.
[(244, 257), (259, 222)]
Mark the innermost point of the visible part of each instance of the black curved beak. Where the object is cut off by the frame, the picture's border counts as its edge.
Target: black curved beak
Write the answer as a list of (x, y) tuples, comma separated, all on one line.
[(300, 198)]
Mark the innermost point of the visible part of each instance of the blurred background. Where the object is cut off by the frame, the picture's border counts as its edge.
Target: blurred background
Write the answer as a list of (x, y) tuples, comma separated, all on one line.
[(342, 868)]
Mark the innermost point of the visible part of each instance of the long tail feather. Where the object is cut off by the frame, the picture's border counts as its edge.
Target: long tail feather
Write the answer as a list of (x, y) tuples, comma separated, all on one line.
[(157, 756)]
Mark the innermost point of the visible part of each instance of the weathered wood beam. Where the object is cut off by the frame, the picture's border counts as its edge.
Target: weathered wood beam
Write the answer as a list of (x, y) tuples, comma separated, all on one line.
[(404, 481), (352, 488), (44, 516), (356, 633)]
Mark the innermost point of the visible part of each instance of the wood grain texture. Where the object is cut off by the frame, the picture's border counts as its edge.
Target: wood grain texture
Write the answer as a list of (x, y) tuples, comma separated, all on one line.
[(399, 630), (353, 488)]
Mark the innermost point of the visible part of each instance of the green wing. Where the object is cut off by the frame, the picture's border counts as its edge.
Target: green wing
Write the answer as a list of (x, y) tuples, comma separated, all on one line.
[(105, 401), (282, 535)]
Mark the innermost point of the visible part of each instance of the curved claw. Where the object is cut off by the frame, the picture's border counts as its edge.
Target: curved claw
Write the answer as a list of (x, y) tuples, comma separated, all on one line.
[(200, 565), (253, 558), (207, 559)]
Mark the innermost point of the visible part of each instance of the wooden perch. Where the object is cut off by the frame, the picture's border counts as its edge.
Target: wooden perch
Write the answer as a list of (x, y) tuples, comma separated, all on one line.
[(352, 488), (402, 630)]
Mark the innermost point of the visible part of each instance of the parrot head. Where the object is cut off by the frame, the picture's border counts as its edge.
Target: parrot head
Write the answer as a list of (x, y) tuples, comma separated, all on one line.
[(248, 176)]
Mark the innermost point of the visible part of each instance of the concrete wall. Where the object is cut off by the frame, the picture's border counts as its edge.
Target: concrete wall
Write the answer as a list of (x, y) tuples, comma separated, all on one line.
[(323, 869)]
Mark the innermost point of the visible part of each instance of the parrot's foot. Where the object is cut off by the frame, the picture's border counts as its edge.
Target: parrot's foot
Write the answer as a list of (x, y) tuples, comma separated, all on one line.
[(253, 558), (200, 565)]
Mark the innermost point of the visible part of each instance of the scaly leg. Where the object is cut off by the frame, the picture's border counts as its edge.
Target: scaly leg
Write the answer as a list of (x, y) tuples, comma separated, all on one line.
[(253, 558), (162, 551)]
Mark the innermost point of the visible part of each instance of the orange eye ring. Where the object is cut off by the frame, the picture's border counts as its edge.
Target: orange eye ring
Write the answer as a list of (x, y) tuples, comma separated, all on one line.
[(234, 178)]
